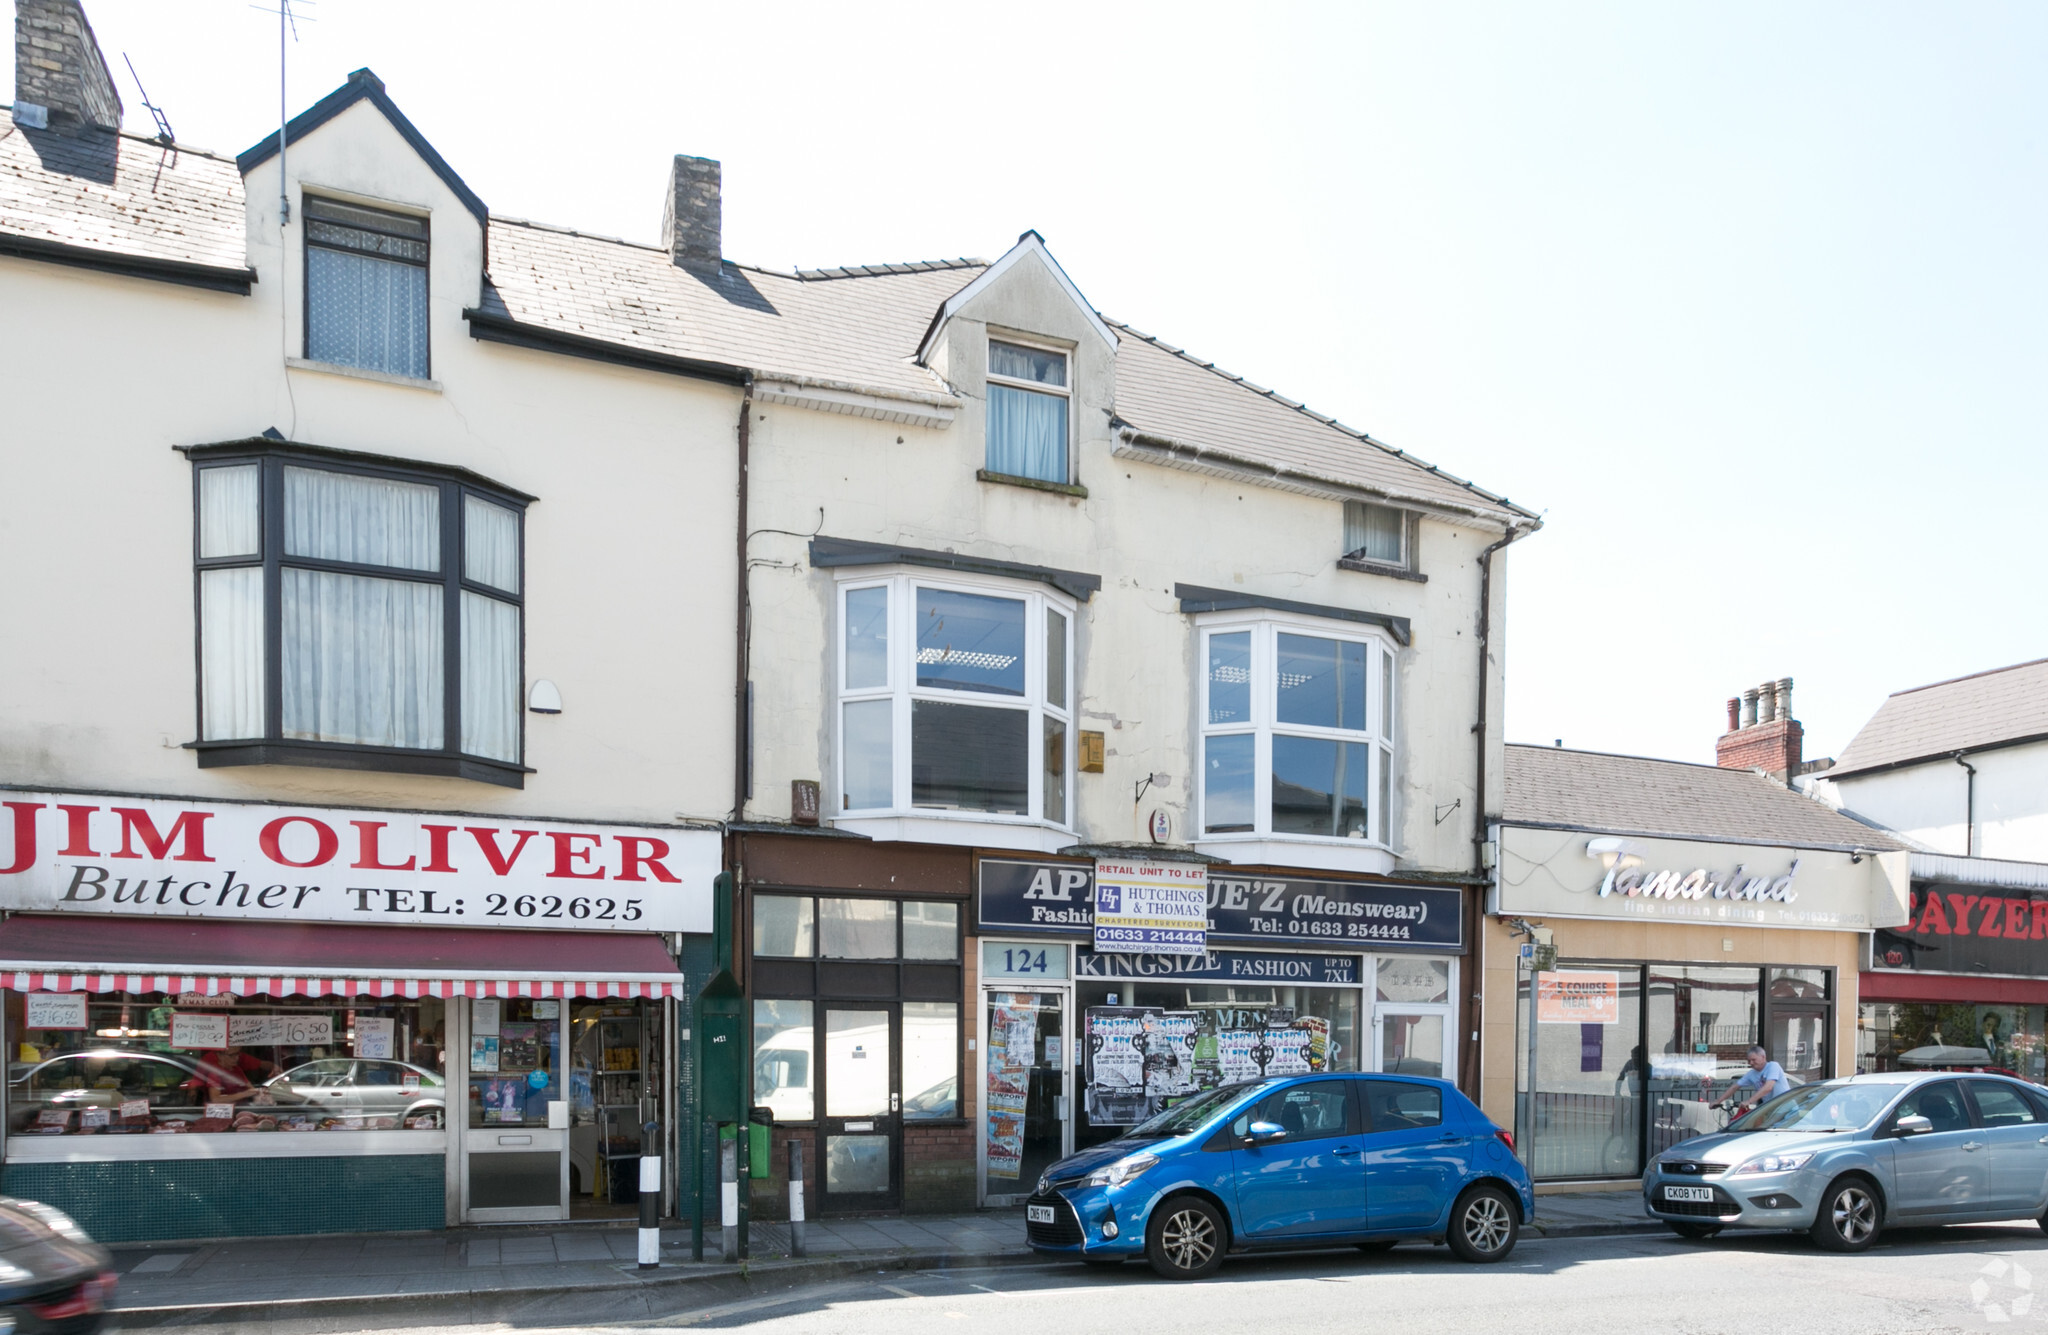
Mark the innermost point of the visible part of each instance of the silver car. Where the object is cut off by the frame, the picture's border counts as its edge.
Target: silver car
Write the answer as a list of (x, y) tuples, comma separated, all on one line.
[(1844, 1159)]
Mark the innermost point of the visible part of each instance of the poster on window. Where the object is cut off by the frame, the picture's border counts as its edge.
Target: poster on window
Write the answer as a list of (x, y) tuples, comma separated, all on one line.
[(1139, 1058), (1578, 997), (1011, 1032)]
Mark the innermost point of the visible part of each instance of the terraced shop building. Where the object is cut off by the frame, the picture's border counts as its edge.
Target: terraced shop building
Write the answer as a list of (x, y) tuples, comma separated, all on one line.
[(1649, 921)]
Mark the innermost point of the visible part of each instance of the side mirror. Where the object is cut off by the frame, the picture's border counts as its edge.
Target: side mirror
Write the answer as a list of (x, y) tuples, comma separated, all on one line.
[(1263, 1133), (1912, 1125)]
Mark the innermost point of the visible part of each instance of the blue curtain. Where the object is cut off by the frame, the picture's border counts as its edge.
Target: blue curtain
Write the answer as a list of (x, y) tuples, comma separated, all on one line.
[(1027, 434)]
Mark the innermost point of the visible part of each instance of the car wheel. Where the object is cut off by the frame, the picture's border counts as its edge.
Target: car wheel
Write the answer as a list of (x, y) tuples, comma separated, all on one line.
[(1483, 1225), (1694, 1231), (1383, 1245), (1186, 1239), (1849, 1216)]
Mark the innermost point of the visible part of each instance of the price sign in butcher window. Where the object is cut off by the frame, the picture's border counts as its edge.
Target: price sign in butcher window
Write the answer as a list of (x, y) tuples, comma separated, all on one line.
[(53, 1010), (198, 1032), (1578, 997)]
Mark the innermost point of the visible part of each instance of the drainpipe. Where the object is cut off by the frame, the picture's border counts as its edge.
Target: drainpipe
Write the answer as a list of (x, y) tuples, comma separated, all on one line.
[(1969, 806), (1468, 1075), (743, 612)]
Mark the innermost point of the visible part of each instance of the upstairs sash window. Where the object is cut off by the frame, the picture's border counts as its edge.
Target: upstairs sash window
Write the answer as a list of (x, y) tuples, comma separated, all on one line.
[(366, 288), (1027, 412)]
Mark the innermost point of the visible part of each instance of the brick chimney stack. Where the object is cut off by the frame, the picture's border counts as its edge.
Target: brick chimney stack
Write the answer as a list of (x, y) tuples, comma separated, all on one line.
[(60, 77), (692, 221), (1762, 734)]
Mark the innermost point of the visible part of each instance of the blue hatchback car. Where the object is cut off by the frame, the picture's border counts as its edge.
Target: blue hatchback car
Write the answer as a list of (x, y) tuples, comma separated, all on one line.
[(1287, 1164)]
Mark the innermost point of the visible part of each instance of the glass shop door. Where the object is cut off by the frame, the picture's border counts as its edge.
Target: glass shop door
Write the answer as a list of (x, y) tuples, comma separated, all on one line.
[(516, 1137), (862, 1128), (1026, 1126)]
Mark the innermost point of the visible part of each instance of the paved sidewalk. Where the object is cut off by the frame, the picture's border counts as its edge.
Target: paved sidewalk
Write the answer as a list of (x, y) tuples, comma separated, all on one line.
[(589, 1273)]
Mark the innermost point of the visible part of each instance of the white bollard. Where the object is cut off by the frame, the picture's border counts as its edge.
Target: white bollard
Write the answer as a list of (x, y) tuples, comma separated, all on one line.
[(729, 1198), (650, 1210)]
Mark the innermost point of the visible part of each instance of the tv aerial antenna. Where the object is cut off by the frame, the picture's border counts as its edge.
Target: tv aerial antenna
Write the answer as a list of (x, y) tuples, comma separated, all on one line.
[(288, 20), (163, 123)]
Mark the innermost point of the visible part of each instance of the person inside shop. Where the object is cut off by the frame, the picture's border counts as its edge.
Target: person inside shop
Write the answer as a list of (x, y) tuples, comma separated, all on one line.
[(224, 1076), (1764, 1076)]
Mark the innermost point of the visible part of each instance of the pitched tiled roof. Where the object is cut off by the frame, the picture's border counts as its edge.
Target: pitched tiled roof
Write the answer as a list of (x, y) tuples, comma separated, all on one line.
[(858, 333), (1169, 394), (1590, 790), (1964, 714), (120, 194), (855, 329)]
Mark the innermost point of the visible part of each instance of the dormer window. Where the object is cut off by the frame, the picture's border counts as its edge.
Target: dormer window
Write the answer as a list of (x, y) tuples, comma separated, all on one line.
[(1028, 390), (366, 288)]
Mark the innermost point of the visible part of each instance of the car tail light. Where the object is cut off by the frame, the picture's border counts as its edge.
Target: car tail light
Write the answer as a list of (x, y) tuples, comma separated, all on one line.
[(90, 1296), (1507, 1138)]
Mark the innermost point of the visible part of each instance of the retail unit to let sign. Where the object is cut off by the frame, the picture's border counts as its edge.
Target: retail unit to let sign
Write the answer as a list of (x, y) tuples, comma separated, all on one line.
[(77, 853), (1152, 908), (1578, 997)]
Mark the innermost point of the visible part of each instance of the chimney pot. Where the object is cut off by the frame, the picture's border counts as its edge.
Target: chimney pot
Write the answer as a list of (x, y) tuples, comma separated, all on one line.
[(59, 71), (1766, 703), (1749, 709), (692, 220), (1734, 714), (1783, 689)]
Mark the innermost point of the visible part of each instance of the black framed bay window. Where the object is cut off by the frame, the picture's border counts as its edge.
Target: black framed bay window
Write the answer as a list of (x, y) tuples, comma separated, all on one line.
[(358, 613)]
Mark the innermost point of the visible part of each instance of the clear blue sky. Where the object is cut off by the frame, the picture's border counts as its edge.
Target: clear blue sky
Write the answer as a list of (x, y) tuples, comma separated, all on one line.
[(1747, 298)]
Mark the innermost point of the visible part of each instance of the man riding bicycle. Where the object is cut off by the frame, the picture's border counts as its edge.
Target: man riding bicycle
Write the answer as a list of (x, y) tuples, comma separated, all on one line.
[(1764, 1076)]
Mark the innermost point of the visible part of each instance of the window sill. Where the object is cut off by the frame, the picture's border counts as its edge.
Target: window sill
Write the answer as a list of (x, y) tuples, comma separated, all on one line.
[(960, 831), (1354, 855), (363, 373), (1012, 480), (330, 755), (1381, 568)]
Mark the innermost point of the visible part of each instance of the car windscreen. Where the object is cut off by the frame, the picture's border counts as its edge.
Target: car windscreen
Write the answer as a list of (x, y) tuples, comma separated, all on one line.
[(1825, 1107), (1191, 1112)]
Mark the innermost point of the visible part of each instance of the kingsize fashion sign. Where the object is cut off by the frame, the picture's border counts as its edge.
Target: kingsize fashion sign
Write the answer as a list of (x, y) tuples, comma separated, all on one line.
[(1577, 874), (67, 853), (1055, 899)]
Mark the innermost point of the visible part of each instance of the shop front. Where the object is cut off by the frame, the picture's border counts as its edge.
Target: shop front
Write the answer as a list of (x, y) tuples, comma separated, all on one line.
[(227, 1019), (855, 973), (1078, 1043), (1963, 983), (1642, 969)]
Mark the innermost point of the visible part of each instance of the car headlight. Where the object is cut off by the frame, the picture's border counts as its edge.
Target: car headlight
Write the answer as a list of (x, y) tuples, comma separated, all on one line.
[(1774, 1163), (1122, 1171)]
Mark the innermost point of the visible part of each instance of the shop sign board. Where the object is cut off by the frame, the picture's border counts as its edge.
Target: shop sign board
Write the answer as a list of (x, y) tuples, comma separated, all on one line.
[(198, 1032), (1578, 997), (1057, 899), (1159, 908), (163, 857), (1968, 929), (1578, 874), (1222, 966)]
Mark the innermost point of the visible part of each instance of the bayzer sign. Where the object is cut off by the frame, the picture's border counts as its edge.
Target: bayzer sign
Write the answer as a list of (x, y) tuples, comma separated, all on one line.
[(1566, 873), (163, 857), (1055, 899)]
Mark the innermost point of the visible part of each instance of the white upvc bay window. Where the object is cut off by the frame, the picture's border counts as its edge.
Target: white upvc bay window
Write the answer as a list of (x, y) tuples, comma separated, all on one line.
[(1297, 732), (954, 699)]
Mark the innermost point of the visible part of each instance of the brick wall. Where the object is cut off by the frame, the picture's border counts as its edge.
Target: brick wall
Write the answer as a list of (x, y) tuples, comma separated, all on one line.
[(1773, 747), (938, 1169), (57, 64)]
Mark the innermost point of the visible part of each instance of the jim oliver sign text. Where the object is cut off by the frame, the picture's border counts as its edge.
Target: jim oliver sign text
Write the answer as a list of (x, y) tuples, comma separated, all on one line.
[(169, 857)]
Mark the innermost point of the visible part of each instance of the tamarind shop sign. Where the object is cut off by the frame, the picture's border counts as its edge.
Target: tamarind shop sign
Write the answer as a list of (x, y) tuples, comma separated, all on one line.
[(172, 857), (1968, 929)]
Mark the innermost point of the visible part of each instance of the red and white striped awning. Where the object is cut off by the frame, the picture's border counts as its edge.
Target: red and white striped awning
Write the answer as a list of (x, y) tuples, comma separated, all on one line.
[(183, 956), (216, 985)]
